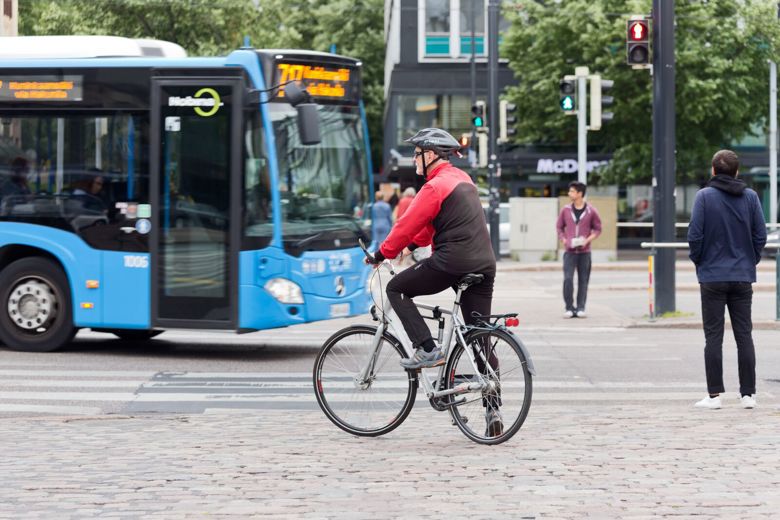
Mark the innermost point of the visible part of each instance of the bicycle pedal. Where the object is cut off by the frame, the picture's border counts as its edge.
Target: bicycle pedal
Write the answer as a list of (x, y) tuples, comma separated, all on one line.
[(463, 418)]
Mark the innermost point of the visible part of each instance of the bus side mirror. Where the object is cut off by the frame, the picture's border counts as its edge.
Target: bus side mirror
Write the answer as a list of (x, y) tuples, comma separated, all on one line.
[(308, 117), (308, 123)]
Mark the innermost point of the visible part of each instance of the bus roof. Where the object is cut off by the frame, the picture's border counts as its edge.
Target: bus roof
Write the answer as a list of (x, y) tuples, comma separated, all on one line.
[(27, 47)]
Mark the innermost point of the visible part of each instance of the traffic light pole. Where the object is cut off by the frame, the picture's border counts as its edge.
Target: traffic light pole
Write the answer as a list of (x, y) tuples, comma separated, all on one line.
[(494, 168), (664, 209), (582, 123), (772, 142)]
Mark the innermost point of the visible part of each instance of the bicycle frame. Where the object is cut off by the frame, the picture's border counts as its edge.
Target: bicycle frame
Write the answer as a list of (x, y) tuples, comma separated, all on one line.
[(389, 322)]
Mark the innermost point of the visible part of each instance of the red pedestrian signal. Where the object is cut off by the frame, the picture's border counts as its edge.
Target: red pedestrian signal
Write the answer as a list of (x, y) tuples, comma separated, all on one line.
[(637, 30), (637, 42)]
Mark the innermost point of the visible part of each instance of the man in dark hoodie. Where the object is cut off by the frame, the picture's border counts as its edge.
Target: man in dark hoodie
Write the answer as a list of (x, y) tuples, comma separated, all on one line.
[(726, 235)]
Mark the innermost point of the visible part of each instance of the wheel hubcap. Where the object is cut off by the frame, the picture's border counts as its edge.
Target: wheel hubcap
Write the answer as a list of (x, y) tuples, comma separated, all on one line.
[(31, 305)]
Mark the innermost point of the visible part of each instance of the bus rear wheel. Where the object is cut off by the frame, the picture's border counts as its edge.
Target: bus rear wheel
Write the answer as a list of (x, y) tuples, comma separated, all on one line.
[(36, 313)]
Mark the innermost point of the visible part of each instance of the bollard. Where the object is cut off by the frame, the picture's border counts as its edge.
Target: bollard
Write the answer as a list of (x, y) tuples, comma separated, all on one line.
[(651, 286)]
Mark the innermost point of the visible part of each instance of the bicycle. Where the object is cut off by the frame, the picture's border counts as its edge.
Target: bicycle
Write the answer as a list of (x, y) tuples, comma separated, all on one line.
[(362, 388)]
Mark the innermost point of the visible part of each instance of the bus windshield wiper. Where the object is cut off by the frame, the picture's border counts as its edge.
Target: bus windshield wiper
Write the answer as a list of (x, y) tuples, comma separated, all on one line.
[(359, 233)]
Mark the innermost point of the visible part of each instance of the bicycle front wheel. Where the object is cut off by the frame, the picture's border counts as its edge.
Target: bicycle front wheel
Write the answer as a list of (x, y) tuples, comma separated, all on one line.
[(363, 390), (494, 413)]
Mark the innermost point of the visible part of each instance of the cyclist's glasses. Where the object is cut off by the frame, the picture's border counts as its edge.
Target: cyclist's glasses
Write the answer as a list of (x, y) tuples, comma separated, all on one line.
[(418, 154)]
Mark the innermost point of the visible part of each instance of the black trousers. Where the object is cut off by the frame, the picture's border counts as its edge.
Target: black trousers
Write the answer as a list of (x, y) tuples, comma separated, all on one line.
[(581, 263), (738, 297), (423, 279)]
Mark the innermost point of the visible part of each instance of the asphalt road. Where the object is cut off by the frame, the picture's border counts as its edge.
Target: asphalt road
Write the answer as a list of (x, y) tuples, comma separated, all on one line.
[(584, 359)]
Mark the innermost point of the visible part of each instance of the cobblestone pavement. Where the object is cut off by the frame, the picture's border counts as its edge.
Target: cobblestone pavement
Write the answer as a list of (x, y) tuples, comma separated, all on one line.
[(568, 461)]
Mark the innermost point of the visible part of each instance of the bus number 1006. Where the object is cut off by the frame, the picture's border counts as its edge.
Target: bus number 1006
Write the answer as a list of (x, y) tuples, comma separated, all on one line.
[(138, 262)]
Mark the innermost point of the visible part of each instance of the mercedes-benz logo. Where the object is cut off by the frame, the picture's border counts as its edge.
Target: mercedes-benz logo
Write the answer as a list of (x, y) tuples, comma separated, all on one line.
[(340, 288)]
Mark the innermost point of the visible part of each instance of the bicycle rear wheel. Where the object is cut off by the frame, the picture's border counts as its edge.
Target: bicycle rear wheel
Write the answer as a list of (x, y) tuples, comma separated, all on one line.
[(509, 392), (368, 407)]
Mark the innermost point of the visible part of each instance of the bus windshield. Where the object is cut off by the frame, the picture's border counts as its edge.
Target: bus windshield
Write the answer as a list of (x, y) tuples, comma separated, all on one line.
[(322, 185)]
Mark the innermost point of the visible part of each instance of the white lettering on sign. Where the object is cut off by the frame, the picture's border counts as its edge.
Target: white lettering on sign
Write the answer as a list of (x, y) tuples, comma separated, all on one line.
[(137, 262), (565, 165)]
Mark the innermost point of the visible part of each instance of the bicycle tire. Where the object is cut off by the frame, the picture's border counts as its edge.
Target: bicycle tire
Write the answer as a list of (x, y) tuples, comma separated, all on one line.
[(338, 355), (513, 394)]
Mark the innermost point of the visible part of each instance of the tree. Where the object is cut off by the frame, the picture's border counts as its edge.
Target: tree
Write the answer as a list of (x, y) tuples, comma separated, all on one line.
[(722, 47), (215, 27)]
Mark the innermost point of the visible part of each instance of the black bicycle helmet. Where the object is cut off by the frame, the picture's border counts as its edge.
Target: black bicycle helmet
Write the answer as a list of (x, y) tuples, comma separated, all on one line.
[(437, 140)]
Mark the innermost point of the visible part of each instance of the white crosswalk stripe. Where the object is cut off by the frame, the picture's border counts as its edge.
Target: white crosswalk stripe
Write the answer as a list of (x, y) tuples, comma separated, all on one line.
[(93, 392)]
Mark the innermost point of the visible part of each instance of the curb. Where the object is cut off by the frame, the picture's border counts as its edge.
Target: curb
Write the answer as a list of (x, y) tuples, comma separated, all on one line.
[(662, 323), (617, 266), (757, 287)]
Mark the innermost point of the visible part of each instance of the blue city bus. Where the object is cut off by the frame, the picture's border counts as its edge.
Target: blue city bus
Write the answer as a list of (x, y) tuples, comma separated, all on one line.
[(139, 194)]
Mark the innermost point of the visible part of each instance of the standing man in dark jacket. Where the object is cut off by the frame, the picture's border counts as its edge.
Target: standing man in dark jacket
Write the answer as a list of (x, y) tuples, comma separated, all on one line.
[(578, 225), (726, 235)]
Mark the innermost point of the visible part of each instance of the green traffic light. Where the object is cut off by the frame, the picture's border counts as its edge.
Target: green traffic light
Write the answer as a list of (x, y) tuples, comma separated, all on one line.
[(478, 122), (567, 103)]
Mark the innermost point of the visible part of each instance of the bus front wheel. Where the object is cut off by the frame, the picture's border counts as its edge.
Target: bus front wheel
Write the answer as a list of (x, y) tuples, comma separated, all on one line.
[(36, 313)]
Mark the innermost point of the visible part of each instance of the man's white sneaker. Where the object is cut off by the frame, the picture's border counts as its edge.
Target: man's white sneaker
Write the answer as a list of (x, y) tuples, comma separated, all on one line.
[(580, 314), (568, 314), (748, 401), (713, 403)]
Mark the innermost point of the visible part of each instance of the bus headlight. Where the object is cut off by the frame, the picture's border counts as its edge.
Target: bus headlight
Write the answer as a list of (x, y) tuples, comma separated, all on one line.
[(284, 290)]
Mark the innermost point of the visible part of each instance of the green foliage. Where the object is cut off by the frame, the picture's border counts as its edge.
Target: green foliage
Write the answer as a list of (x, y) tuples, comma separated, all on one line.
[(216, 27), (722, 47)]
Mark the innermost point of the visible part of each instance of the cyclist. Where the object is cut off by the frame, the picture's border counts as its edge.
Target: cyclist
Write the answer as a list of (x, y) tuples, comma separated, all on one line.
[(447, 212)]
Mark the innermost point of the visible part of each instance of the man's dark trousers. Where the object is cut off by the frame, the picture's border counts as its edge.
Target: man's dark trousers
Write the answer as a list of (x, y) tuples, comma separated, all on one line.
[(738, 296), (580, 262)]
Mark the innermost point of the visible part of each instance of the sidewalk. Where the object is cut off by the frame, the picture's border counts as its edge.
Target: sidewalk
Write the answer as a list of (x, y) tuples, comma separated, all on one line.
[(618, 296), (611, 461)]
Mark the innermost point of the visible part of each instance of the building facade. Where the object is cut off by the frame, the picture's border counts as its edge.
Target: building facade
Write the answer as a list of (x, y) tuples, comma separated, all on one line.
[(428, 75)]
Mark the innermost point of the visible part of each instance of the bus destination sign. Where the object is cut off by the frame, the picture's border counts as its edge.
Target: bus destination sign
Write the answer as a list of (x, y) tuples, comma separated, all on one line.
[(334, 83), (41, 88)]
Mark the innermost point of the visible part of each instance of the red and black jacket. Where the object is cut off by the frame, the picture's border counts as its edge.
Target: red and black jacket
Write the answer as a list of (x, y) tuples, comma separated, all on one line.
[(446, 212)]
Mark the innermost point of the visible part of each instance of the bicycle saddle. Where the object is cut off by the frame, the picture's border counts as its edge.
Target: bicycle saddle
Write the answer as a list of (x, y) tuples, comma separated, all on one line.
[(471, 279)]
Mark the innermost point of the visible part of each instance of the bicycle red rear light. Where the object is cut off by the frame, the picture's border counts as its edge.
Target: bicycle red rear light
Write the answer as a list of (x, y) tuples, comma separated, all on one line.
[(512, 322)]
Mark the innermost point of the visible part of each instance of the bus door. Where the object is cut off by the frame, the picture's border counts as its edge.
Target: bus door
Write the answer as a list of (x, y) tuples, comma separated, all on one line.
[(195, 155)]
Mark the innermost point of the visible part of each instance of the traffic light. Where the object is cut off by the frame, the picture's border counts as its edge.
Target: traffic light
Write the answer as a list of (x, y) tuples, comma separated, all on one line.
[(506, 120), (637, 42), (568, 102), (598, 101), (478, 114)]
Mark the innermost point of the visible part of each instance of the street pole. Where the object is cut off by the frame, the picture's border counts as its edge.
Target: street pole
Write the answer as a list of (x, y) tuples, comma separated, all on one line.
[(582, 123), (473, 141), (664, 209), (493, 167), (772, 142)]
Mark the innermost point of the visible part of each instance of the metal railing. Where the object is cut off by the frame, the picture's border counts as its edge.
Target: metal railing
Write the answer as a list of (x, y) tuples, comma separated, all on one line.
[(684, 245)]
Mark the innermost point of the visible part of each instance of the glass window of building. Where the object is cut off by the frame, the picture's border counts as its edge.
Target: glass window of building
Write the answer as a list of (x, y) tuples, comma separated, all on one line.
[(452, 113), (437, 27), (472, 18)]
